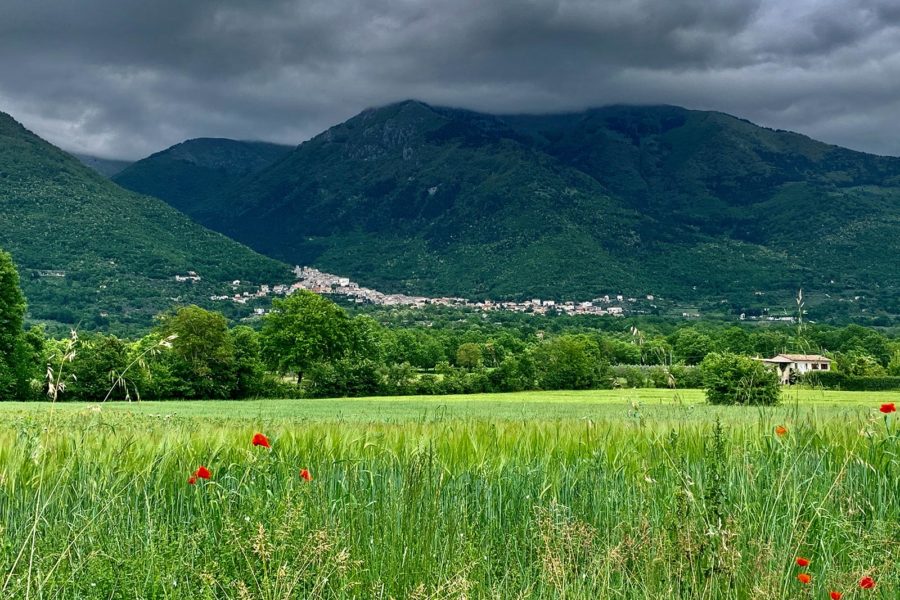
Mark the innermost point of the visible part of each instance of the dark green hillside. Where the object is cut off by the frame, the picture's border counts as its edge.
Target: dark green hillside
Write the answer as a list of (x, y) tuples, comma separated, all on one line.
[(435, 201), (698, 207), (118, 251), (193, 175), (831, 212)]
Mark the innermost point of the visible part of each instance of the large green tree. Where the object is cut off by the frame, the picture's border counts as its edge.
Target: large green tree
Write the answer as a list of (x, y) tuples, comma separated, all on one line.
[(203, 356), (14, 352), (302, 330), (570, 362)]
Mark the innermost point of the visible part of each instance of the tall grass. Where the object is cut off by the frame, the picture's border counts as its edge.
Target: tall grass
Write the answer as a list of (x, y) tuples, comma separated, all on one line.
[(96, 504)]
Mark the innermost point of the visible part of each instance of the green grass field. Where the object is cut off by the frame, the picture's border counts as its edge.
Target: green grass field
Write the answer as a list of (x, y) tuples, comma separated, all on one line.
[(603, 494)]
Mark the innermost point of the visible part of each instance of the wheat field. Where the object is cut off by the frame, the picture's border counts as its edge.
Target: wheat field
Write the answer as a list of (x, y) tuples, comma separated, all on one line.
[(618, 494)]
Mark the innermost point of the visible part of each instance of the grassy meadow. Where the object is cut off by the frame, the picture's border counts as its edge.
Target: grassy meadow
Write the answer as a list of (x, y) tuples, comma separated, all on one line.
[(601, 494)]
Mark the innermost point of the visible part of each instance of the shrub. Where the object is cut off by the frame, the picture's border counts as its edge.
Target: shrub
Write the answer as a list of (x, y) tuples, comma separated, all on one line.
[(687, 377), (832, 380), (631, 376), (734, 379), (344, 377), (397, 379)]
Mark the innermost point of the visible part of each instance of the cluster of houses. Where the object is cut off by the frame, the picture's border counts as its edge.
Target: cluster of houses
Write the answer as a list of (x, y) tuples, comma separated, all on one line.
[(320, 282), (326, 283)]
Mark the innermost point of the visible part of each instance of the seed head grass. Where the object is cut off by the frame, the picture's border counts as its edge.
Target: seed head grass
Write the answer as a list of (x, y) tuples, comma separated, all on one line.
[(586, 501)]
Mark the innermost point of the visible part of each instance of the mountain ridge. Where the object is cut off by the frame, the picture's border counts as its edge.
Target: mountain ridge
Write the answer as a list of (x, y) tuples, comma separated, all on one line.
[(695, 205)]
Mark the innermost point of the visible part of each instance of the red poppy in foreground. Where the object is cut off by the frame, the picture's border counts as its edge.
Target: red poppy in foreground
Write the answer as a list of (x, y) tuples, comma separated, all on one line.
[(804, 577), (261, 440), (192, 480), (304, 474), (867, 583), (835, 595), (781, 430), (888, 407), (202, 473), (802, 562)]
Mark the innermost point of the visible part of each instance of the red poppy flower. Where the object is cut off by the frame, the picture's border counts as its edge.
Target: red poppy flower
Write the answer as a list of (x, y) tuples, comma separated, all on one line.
[(867, 583), (304, 474), (781, 430), (888, 407), (192, 480), (802, 562), (202, 472), (835, 595), (261, 440), (804, 577)]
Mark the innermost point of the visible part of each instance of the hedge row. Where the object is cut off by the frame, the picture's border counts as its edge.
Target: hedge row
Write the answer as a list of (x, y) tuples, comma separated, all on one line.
[(832, 380)]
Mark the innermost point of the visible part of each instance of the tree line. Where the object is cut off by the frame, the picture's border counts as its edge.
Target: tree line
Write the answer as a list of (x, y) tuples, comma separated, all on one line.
[(308, 346)]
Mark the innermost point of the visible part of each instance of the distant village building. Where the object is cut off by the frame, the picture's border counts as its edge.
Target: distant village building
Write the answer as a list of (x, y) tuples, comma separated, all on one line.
[(789, 365), (191, 276), (50, 273)]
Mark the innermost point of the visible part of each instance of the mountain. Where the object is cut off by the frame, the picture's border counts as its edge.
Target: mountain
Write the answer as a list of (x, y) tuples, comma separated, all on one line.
[(193, 175), (105, 166), (695, 206), (86, 247)]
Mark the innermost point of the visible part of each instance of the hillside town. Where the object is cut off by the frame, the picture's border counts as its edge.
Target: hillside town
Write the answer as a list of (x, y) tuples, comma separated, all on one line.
[(320, 282)]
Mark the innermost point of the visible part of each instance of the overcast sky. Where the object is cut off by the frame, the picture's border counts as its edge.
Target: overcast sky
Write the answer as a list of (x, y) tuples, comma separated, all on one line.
[(124, 78)]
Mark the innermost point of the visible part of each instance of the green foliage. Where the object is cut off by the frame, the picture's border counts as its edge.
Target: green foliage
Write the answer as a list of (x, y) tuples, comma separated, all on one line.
[(343, 377), (18, 354), (302, 330), (193, 175), (202, 359), (834, 380), (515, 374), (119, 251), (857, 363), (570, 363), (469, 356), (893, 368), (99, 363), (249, 369), (691, 346), (734, 379)]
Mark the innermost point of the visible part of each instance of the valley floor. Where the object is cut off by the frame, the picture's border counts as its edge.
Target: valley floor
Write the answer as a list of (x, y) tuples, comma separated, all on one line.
[(599, 494), (624, 404)]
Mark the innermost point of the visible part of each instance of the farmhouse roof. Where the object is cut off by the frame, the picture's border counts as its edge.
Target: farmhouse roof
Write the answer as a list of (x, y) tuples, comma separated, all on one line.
[(789, 358)]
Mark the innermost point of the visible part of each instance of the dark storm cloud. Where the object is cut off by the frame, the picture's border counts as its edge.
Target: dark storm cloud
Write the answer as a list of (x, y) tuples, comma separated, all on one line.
[(125, 78)]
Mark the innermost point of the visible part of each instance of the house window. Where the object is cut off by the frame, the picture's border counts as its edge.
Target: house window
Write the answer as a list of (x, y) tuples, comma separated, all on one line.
[(824, 366), (815, 366)]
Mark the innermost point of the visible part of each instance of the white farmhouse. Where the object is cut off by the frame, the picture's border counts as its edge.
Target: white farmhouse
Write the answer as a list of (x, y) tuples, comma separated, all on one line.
[(788, 365)]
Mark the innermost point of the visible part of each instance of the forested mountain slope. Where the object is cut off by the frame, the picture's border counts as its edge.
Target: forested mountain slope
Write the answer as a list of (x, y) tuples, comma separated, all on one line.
[(91, 252), (691, 205)]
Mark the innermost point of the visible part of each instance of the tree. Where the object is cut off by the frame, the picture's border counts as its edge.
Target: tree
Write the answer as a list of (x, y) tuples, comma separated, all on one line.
[(858, 363), (691, 345), (249, 370), (468, 356), (15, 367), (302, 330), (893, 367), (202, 356), (98, 362), (570, 362), (734, 379), (350, 376)]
